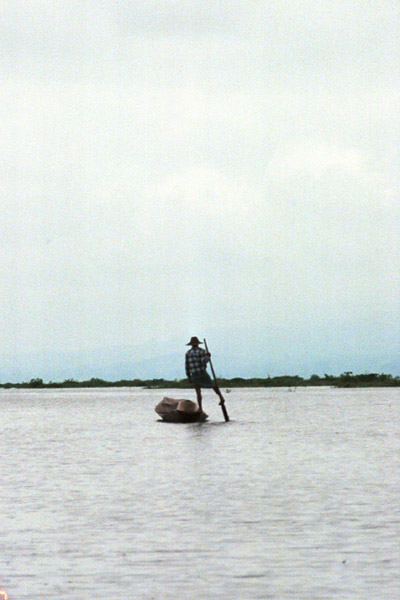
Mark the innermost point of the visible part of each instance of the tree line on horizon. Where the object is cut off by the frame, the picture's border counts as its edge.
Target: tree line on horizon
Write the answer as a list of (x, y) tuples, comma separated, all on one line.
[(346, 379)]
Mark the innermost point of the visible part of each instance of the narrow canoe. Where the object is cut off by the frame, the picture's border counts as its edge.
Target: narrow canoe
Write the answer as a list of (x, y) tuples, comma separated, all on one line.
[(179, 411)]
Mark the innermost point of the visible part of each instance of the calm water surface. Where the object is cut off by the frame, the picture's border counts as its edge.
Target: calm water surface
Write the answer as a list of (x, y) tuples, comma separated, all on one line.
[(296, 498)]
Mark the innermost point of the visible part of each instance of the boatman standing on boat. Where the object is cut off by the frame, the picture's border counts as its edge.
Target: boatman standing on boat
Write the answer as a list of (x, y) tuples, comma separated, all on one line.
[(196, 361)]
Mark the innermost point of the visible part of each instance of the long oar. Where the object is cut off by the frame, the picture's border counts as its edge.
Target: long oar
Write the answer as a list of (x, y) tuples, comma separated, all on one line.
[(222, 401)]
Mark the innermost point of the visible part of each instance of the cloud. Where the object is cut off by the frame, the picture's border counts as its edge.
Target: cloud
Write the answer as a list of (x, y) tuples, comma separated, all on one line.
[(166, 166), (263, 45), (315, 160)]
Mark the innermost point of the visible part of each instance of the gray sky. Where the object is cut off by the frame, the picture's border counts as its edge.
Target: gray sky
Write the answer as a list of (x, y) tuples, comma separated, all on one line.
[(178, 168)]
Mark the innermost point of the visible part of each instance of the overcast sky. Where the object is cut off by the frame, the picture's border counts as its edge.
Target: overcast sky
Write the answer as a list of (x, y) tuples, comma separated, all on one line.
[(177, 168)]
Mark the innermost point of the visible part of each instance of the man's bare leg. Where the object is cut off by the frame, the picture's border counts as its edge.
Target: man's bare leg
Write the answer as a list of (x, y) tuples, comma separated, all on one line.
[(221, 398), (199, 398)]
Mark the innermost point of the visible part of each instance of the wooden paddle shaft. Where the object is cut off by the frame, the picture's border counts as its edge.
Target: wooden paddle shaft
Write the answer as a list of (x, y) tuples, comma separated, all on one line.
[(222, 402)]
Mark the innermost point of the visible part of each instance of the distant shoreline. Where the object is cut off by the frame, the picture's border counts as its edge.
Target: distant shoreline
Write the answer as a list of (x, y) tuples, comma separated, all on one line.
[(345, 380)]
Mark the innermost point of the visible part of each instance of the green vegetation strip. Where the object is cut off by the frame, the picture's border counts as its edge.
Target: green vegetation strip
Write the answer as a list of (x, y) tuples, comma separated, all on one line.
[(347, 379)]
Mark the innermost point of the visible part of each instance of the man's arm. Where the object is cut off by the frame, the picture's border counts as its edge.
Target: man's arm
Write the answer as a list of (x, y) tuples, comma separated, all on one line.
[(187, 367), (205, 358)]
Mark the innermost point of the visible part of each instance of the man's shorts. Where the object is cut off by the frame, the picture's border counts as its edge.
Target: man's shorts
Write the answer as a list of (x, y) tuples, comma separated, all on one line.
[(203, 380)]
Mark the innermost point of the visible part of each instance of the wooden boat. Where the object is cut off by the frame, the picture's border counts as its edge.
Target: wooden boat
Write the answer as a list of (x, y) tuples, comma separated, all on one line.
[(180, 411)]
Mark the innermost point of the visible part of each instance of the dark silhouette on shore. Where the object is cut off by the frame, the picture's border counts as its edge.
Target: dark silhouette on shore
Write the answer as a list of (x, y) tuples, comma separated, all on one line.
[(345, 380)]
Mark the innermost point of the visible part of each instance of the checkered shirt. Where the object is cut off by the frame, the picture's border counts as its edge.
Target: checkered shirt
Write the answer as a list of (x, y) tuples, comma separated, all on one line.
[(196, 360)]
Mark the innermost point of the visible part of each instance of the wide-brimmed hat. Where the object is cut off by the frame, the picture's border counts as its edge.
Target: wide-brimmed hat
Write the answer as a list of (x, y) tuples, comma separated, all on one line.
[(194, 341)]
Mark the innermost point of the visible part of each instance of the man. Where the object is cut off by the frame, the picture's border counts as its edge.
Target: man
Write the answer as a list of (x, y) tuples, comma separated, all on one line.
[(196, 360)]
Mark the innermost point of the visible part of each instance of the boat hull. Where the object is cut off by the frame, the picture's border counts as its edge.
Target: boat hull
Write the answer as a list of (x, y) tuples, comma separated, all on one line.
[(180, 411)]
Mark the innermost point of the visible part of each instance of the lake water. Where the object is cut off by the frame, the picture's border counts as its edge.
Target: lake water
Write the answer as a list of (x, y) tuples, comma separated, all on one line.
[(297, 497)]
